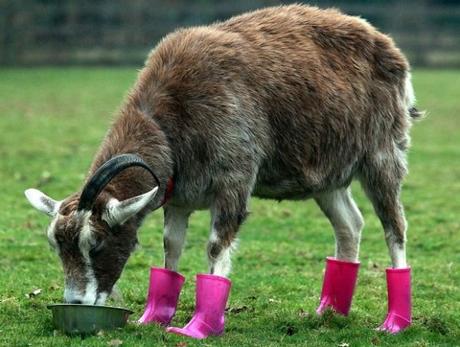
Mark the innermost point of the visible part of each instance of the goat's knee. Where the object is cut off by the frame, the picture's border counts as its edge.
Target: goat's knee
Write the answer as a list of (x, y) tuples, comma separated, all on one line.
[(172, 251), (174, 236)]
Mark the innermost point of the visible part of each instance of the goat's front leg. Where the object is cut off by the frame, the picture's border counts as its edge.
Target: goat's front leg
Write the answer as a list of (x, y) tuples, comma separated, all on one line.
[(224, 227), (166, 283), (212, 289), (175, 228)]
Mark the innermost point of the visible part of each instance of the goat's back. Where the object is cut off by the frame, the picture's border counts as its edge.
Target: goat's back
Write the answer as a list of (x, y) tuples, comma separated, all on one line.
[(295, 93)]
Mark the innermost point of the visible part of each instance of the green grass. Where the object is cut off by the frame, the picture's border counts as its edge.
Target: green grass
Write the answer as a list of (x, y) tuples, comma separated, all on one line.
[(51, 122)]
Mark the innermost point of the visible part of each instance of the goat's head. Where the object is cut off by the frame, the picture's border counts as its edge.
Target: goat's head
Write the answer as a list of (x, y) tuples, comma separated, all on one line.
[(93, 233)]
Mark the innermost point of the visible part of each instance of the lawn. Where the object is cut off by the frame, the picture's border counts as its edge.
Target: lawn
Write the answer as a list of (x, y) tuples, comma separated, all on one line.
[(51, 123)]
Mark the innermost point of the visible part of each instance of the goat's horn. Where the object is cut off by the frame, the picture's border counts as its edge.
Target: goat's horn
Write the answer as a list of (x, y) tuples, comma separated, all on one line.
[(105, 174)]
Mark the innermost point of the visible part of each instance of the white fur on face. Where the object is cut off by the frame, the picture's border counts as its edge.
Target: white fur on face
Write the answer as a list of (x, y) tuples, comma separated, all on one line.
[(86, 242), (101, 298)]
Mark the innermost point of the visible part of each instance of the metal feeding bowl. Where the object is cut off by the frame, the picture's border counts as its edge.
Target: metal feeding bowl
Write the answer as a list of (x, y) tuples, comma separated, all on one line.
[(87, 319)]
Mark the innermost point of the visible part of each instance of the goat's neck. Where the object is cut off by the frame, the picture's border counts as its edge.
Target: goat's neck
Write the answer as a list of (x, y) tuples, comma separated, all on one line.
[(137, 133)]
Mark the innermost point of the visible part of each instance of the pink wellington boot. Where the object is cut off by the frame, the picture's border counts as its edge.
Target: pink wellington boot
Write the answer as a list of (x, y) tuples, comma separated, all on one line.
[(338, 285), (211, 298), (399, 314), (164, 290)]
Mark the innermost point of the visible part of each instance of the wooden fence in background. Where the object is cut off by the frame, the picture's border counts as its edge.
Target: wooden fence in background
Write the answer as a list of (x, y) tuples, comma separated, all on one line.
[(122, 32)]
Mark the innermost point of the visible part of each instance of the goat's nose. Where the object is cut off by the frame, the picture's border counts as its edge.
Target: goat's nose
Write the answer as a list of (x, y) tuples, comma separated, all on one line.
[(77, 302)]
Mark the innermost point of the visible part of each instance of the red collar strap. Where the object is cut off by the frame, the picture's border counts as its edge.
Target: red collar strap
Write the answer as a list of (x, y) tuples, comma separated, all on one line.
[(169, 191)]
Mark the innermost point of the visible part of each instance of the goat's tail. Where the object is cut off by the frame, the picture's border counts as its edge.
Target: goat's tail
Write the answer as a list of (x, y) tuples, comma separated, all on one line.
[(409, 100), (416, 114)]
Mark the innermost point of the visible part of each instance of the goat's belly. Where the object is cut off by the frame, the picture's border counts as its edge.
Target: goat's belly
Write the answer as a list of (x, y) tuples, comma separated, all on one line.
[(284, 190), (302, 184)]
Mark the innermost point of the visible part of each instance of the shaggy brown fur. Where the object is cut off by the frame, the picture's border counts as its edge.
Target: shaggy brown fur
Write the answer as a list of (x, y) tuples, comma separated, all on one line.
[(288, 102)]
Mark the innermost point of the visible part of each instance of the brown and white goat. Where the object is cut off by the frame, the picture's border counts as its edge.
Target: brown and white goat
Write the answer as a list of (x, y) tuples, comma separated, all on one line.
[(291, 102)]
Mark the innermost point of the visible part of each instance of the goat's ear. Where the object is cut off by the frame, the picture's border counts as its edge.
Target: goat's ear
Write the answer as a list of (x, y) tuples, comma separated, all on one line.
[(42, 202), (118, 212)]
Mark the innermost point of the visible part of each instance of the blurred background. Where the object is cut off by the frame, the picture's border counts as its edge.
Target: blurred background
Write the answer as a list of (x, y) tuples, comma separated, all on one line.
[(116, 32)]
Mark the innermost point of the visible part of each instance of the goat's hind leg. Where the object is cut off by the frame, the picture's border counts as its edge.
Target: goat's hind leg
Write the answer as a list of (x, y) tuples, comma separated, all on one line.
[(381, 177), (347, 221), (342, 270)]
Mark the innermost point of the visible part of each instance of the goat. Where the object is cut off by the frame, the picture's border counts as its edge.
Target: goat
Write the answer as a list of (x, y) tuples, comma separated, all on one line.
[(289, 102)]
